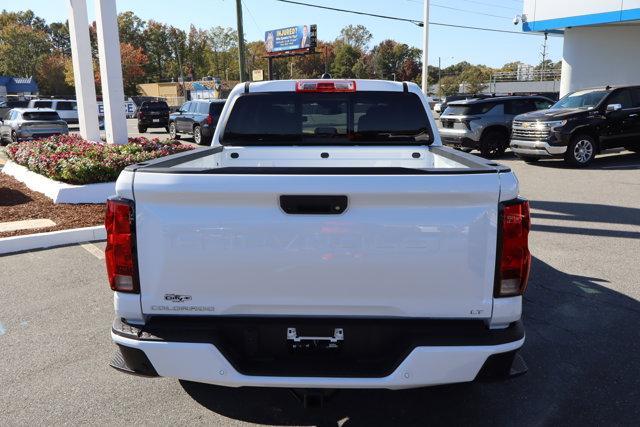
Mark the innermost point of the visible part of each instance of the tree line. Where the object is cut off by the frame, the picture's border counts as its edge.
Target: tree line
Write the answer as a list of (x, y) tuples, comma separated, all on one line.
[(153, 51)]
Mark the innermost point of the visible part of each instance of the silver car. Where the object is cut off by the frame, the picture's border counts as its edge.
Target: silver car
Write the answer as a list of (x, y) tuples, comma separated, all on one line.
[(485, 124), (21, 124)]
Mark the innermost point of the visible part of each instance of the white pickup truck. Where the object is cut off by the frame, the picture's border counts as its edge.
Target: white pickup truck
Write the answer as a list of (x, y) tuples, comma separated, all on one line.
[(326, 239)]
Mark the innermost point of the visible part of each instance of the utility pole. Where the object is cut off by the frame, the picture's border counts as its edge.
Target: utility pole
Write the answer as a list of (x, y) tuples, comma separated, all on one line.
[(544, 57), (326, 60), (240, 40), (439, 76), (425, 49), (180, 67)]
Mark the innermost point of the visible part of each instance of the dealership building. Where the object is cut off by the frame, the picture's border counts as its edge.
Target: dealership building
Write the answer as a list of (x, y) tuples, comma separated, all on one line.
[(601, 39), (17, 87)]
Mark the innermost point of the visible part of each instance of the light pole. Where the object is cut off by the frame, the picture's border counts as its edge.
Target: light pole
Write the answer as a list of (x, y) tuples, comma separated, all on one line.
[(240, 40), (425, 49)]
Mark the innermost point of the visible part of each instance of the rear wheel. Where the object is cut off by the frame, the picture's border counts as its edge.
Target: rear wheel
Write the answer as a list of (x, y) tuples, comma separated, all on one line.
[(581, 151), (197, 135), (141, 129), (173, 132), (493, 143)]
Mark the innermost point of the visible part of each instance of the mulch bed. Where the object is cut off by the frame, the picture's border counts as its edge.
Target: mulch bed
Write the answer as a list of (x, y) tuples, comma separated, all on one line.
[(18, 203)]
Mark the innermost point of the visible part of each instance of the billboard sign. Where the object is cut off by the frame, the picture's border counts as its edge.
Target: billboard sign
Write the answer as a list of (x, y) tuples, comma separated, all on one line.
[(301, 37)]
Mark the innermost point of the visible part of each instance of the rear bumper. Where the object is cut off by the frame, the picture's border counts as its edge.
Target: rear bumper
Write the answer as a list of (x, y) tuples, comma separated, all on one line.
[(28, 136), (536, 149), (149, 123), (421, 365), (459, 138)]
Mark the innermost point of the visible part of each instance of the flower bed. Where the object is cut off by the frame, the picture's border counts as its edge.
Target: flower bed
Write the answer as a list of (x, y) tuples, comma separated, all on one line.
[(73, 160)]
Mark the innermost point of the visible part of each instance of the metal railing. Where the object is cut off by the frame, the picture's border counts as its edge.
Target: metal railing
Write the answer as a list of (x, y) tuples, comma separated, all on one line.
[(526, 75)]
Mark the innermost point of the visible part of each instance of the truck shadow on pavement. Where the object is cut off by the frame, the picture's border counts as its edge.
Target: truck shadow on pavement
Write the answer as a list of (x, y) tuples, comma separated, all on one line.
[(585, 212), (582, 350)]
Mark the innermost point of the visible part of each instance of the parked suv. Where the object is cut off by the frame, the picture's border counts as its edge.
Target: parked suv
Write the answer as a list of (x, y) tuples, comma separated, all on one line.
[(153, 114), (22, 124), (67, 109), (485, 124), (8, 105), (580, 125), (198, 118), (439, 107)]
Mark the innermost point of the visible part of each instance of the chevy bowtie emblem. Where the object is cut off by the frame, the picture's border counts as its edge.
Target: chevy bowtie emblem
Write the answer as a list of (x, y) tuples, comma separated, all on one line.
[(177, 298)]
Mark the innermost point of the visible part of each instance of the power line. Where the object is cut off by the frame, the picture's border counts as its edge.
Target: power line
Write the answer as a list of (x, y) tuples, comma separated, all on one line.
[(468, 11), (252, 17), (413, 21), (491, 4)]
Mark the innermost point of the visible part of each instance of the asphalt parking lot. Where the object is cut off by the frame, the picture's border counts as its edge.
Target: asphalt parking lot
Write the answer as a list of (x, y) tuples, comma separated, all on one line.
[(582, 314), (132, 129)]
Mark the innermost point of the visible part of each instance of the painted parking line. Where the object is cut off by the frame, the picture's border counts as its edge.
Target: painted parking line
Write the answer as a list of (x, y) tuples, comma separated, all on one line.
[(93, 250)]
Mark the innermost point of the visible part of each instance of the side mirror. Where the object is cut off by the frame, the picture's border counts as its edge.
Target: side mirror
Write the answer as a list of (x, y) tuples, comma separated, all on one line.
[(614, 107)]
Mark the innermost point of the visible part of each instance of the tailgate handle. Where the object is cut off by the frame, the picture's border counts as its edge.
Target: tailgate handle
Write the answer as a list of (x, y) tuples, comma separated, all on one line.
[(313, 205)]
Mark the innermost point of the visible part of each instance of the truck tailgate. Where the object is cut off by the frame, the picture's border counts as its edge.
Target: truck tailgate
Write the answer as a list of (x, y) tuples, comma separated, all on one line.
[(406, 245)]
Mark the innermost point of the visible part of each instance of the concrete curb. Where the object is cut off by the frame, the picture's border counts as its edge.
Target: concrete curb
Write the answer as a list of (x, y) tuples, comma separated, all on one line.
[(50, 239), (60, 192)]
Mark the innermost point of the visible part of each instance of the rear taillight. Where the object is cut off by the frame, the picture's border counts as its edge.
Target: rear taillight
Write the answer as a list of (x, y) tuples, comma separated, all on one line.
[(141, 115), (120, 250), (209, 120), (326, 86), (514, 258)]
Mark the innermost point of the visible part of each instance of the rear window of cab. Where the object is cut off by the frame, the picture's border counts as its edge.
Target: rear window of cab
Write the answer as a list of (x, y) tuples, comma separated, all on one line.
[(352, 118)]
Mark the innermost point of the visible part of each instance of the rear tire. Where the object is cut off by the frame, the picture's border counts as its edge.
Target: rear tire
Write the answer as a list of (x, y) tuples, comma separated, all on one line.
[(173, 132), (581, 151), (141, 129), (197, 135), (493, 144)]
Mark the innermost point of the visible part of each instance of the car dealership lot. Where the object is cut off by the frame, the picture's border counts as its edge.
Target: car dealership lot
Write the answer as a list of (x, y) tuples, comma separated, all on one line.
[(132, 131), (582, 313)]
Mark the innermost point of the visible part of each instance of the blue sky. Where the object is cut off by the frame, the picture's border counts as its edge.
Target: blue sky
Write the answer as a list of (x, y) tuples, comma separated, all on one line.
[(452, 45)]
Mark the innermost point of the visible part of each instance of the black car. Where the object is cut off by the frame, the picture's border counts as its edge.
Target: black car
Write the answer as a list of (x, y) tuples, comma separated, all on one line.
[(153, 114), (580, 125), (198, 118)]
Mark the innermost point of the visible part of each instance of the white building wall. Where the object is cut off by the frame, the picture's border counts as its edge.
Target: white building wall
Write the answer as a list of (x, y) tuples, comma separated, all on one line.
[(598, 56)]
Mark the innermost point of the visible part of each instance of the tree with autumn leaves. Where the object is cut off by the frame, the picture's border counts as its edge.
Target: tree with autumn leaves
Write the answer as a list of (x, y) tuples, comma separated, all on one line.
[(153, 51)]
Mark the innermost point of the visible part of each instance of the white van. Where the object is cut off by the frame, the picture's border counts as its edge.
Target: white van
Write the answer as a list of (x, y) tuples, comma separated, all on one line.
[(67, 109)]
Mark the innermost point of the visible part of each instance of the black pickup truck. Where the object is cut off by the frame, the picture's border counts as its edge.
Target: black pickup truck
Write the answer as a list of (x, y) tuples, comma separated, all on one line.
[(580, 125)]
